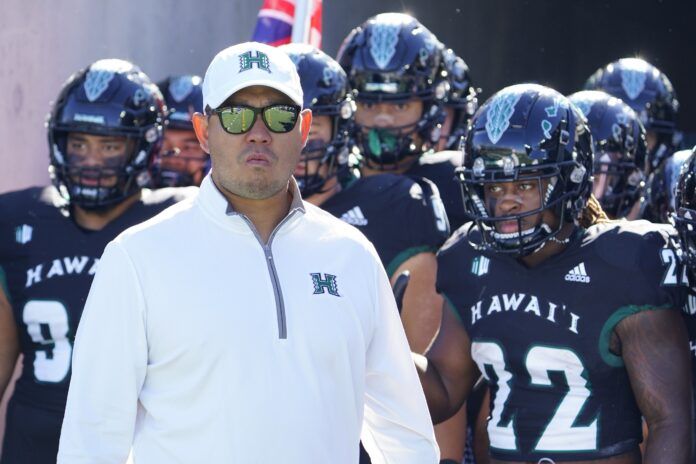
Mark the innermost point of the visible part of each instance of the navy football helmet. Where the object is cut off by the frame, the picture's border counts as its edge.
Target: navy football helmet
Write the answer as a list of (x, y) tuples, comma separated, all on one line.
[(684, 214), (183, 96), (620, 150), (661, 188), (326, 93), (110, 97), (393, 58), (650, 93), (461, 98), (529, 132), (180, 166)]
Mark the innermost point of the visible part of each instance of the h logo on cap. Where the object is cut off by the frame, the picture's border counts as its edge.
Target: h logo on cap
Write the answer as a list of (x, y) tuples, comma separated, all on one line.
[(246, 61)]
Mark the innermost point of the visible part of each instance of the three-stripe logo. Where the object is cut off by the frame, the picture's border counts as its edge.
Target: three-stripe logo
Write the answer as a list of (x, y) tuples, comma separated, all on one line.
[(354, 217), (578, 274)]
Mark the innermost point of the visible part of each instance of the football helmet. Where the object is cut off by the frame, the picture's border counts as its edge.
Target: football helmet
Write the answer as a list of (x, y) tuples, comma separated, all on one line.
[(620, 150), (110, 97), (684, 214), (661, 188), (179, 166), (650, 93), (326, 93), (393, 58), (530, 132), (461, 97)]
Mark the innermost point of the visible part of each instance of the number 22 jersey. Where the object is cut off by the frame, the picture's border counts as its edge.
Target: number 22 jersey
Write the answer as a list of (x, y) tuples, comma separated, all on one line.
[(541, 336)]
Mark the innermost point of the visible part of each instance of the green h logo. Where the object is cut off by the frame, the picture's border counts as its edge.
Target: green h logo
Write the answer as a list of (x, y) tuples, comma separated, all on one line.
[(246, 61), (328, 283)]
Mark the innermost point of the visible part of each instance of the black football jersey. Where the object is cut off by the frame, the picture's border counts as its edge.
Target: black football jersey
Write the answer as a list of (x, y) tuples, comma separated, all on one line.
[(400, 215), (541, 336), (690, 320), (439, 167), (48, 263)]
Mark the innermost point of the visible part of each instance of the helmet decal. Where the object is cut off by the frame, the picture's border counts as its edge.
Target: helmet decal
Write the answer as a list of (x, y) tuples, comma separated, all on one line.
[(633, 82), (96, 82), (383, 43), (501, 110), (180, 88)]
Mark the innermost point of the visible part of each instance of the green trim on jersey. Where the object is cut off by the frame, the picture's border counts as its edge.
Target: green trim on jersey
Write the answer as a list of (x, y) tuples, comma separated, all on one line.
[(3, 283), (449, 305), (619, 315), (406, 254)]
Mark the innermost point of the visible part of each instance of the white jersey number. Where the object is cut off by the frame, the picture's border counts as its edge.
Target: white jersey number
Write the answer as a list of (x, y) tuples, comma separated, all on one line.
[(47, 324), (559, 434)]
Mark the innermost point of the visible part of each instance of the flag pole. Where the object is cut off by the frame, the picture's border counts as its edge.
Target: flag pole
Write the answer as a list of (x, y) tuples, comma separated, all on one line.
[(300, 29)]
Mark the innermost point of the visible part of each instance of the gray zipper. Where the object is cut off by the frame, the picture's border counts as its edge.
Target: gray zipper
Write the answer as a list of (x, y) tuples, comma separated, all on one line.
[(275, 282)]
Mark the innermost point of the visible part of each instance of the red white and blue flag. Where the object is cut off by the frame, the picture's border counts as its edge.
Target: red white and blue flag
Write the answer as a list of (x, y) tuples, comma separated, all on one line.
[(277, 18)]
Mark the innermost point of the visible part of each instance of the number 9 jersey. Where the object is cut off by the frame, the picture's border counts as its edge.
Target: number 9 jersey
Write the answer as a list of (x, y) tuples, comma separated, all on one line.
[(541, 336), (47, 263)]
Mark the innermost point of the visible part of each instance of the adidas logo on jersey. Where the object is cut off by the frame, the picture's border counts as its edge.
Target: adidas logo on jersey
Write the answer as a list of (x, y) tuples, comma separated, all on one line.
[(578, 274), (354, 217)]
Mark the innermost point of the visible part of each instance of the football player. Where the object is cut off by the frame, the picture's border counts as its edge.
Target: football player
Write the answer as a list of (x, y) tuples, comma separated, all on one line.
[(103, 131), (395, 64), (402, 216), (378, 205), (650, 93), (574, 356), (620, 149), (182, 161), (684, 217)]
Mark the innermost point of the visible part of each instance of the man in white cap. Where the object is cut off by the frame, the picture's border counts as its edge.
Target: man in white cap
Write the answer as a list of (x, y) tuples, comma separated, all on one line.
[(275, 339)]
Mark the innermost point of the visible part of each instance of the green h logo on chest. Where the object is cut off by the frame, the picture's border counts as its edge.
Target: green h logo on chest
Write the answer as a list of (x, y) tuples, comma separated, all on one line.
[(247, 61), (327, 284)]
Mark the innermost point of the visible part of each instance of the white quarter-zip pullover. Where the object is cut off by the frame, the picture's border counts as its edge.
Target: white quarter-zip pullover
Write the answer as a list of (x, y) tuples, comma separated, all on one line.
[(200, 344)]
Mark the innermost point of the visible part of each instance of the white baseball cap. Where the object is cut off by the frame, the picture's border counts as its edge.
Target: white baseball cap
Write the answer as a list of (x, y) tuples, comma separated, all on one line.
[(247, 64)]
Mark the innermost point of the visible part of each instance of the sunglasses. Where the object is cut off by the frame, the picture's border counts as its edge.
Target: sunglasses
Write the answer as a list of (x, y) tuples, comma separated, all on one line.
[(239, 119)]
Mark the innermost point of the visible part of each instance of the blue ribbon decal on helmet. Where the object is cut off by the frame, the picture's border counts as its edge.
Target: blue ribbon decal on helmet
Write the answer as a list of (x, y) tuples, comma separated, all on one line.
[(633, 82), (180, 88), (501, 110), (383, 43)]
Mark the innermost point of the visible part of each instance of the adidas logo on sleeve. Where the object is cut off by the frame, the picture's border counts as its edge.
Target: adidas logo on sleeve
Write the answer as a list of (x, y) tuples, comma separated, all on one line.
[(578, 274), (354, 217)]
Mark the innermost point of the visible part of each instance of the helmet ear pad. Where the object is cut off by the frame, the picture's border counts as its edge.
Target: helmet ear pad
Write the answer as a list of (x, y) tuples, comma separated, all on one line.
[(109, 98)]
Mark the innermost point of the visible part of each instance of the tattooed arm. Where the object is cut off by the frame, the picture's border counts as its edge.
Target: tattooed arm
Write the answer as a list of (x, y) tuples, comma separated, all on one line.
[(447, 371), (654, 347)]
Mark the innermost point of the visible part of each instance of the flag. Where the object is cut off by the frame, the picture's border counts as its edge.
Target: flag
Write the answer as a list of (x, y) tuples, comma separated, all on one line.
[(276, 20)]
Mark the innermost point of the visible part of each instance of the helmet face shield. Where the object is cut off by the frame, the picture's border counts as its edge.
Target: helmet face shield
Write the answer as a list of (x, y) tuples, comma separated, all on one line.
[(530, 139)]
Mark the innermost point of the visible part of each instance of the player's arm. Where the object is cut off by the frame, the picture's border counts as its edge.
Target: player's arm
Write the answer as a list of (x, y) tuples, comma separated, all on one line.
[(397, 426), (9, 342), (451, 436), (447, 371), (109, 365), (422, 306), (655, 350)]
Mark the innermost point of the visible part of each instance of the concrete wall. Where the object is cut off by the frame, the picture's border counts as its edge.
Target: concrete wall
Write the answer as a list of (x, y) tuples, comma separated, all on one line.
[(42, 43)]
